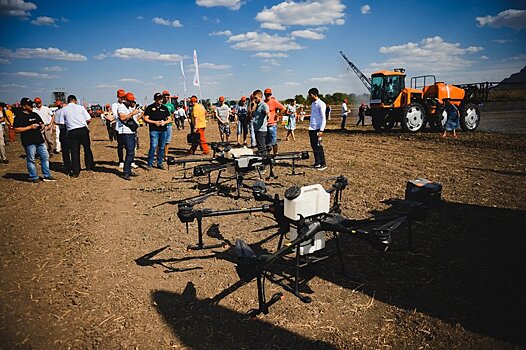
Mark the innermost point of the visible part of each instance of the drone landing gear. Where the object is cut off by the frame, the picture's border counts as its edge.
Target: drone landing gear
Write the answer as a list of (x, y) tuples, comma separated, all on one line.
[(263, 304), (294, 172), (200, 245)]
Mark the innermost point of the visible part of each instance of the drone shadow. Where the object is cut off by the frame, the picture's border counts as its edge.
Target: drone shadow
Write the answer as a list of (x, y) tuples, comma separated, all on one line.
[(200, 324)]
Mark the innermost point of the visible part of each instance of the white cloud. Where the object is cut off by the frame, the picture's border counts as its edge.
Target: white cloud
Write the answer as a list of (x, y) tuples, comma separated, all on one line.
[(211, 20), (213, 66), (158, 77), (165, 22), (307, 34), (105, 86), (270, 55), (54, 69), (130, 80), (16, 8), (4, 61), (292, 83), (140, 18), (33, 75), (521, 57), (509, 18), (44, 21), (100, 56), (129, 53), (254, 41), (221, 33), (484, 57), (51, 53), (231, 4), (305, 13), (502, 41), (365, 10), (432, 53), (326, 79)]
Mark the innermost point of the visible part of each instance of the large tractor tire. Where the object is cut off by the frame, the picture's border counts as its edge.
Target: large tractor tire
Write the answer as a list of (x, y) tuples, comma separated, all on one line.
[(380, 122), (469, 117), (413, 117), (439, 119)]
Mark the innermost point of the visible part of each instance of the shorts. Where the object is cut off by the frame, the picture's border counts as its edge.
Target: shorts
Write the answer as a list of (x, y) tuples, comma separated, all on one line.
[(168, 133), (272, 135), (224, 129)]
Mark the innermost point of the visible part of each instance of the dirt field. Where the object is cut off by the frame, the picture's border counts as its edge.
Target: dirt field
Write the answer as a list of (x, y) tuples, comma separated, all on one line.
[(70, 279)]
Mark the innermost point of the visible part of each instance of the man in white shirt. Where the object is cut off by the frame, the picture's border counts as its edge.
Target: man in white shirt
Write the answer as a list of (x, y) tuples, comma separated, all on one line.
[(76, 119), (46, 114), (345, 113), (58, 119), (127, 112), (317, 124)]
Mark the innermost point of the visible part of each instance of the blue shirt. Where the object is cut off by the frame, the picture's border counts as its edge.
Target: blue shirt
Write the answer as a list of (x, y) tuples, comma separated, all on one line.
[(260, 117)]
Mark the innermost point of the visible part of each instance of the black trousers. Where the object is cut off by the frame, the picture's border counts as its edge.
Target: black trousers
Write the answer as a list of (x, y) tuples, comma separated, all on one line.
[(76, 138), (344, 121), (361, 118), (317, 148), (66, 149)]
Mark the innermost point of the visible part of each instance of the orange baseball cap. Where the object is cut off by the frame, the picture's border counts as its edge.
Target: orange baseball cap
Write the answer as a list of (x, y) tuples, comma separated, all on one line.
[(38, 100), (130, 97), (193, 99), (166, 92), (243, 98), (345, 100), (121, 93), (268, 91), (221, 98)]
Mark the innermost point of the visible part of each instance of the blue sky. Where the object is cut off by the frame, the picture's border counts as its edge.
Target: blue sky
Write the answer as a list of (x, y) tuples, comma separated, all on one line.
[(93, 48)]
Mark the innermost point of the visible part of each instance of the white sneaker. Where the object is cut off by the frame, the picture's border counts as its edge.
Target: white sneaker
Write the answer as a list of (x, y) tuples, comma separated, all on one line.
[(121, 165), (134, 166)]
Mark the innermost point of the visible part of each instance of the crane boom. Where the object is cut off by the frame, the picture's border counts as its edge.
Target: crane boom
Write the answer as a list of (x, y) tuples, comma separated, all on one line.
[(366, 81)]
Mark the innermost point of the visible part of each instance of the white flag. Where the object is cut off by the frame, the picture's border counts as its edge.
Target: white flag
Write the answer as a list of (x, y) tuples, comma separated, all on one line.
[(196, 76), (184, 78)]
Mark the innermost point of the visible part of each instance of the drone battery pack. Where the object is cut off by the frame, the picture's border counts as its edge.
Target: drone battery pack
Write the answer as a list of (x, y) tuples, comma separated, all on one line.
[(425, 191)]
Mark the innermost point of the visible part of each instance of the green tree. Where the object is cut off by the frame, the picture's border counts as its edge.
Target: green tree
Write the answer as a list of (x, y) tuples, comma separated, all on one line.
[(300, 99)]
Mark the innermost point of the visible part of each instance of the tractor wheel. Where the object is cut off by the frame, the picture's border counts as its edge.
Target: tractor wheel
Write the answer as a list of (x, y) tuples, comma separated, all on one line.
[(380, 122), (413, 117), (440, 118), (469, 117)]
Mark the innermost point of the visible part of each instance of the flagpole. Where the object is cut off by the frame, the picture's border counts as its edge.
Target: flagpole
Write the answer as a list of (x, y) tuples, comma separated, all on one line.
[(197, 82), (184, 84)]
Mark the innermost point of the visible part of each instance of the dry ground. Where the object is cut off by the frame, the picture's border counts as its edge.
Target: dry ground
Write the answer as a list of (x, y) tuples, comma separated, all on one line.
[(69, 278)]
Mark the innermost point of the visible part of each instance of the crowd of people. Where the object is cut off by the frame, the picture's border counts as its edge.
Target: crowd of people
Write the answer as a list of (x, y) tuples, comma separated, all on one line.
[(254, 119)]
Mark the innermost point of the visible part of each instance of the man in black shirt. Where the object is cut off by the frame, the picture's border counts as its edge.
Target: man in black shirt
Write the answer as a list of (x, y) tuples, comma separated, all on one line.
[(29, 125), (157, 116)]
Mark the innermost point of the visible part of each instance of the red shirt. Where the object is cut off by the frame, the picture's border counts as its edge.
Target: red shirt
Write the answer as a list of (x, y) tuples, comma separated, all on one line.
[(273, 104)]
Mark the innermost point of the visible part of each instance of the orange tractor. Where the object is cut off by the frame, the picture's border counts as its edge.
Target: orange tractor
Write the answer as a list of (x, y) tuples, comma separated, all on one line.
[(413, 107)]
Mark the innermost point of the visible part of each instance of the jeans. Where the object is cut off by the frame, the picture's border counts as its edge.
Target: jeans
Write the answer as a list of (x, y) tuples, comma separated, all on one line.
[(41, 150), (157, 141), (252, 135), (272, 135), (344, 121), (128, 141), (76, 138), (317, 148)]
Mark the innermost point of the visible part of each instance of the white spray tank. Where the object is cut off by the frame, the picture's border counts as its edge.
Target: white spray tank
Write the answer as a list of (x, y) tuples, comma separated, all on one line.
[(307, 201), (241, 155)]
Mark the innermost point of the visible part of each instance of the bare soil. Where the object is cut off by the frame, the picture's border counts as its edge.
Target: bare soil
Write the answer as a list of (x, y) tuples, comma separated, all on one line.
[(71, 276)]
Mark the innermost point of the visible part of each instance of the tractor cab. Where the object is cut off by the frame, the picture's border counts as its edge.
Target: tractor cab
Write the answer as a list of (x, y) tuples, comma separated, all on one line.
[(386, 86)]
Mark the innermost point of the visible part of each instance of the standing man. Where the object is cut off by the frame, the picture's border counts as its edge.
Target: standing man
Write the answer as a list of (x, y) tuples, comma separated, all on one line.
[(361, 114), (222, 115), (76, 119), (272, 132), (180, 114), (58, 119), (157, 117), (316, 127), (260, 121), (10, 119), (198, 125), (121, 96), (169, 130), (241, 112), (345, 113), (3, 157), (29, 125), (46, 115), (127, 115)]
